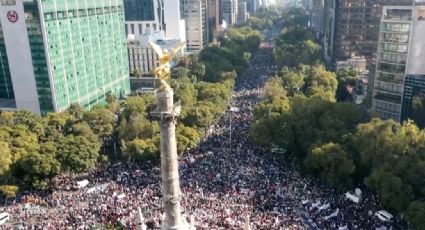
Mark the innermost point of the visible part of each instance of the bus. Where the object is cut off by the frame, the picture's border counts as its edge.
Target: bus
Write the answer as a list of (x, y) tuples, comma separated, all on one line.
[(4, 217)]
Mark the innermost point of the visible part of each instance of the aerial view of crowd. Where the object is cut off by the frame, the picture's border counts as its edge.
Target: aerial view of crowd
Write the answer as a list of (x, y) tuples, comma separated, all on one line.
[(227, 182)]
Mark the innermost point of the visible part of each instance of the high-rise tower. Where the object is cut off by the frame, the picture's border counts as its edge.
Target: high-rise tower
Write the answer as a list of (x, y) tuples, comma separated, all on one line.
[(62, 52), (196, 16), (401, 51)]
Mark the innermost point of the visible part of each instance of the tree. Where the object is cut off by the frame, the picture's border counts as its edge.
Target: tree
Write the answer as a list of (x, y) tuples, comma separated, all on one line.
[(101, 121), (218, 60), (292, 80), (9, 191), (23, 141), (295, 17), (77, 153), (319, 82), (196, 68), (247, 56), (75, 111), (83, 129), (346, 78), (380, 141), (262, 131), (274, 88), (187, 137), (137, 105), (139, 150), (6, 157), (179, 72), (391, 190), (31, 121), (273, 107), (112, 101), (201, 115), (259, 23), (186, 94), (137, 127), (416, 214), (296, 46), (311, 121), (56, 122), (138, 73), (332, 163), (40, 166)]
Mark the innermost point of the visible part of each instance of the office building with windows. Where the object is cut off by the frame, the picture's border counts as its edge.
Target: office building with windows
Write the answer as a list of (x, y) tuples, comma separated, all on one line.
[(229, 11), (414, 99), (142, 16), (213, 18), (55, 53), (242, 13), (174, 23), (196, 16), (401, 51)]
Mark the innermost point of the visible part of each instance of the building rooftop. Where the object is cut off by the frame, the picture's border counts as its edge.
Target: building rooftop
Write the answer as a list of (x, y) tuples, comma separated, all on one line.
[(157, 37)]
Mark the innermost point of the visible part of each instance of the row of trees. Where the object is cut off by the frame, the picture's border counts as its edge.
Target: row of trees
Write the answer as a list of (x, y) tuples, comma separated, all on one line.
[(333, 140), (297, 44), (329, 139), (35, 148)]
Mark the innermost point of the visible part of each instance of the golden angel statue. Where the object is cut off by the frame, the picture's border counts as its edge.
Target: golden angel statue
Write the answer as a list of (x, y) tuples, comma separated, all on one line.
[(162, 72)]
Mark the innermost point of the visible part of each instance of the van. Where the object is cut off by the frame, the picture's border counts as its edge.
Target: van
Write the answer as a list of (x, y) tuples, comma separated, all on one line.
[(4, 217), (384, 216)]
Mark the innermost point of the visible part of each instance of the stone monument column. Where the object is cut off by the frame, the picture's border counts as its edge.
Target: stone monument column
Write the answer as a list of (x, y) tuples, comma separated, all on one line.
[(171, 194)]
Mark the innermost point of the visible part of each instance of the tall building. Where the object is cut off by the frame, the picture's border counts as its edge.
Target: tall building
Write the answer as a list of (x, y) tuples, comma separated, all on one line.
[(229, 11), (213, 17), (357, 27), (174, 23), (401, 52), (251, 6), (196, 16), (142, 16), (414, 99), (62, 52), (242, 13), (322, 22)]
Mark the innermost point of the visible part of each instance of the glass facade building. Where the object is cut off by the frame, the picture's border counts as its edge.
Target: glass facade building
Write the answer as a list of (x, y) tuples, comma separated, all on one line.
[(78, 51), (139, 10), (413, 99), (6, 88)]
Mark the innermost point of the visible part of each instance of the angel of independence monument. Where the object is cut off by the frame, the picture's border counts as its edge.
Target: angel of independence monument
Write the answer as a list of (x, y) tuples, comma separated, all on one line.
[(167, 112)]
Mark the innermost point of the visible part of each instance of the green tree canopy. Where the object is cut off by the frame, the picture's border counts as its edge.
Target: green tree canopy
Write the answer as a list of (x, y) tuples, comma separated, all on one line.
[(6, 157), (101, 121), (142, 149), (416, 214), (332, 163), (77, 153)]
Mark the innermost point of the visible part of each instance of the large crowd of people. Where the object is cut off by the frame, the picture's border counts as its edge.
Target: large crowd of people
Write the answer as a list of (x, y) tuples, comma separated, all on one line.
[(226, 182)]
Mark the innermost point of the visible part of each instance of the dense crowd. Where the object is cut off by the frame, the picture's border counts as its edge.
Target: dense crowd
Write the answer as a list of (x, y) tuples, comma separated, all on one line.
[(226, 181)]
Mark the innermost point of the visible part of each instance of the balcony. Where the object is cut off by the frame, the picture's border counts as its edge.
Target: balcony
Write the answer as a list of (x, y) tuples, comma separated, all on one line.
[(391, 68), (398, 17), (393, 91), (393, 79), (388, 98)]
